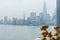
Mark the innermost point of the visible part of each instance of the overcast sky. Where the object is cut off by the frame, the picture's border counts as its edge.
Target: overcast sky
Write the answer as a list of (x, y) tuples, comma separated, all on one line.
[(17, 8)]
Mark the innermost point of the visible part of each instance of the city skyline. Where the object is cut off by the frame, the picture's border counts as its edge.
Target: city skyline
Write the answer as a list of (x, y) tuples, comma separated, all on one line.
[(33, 20), (17, 8)]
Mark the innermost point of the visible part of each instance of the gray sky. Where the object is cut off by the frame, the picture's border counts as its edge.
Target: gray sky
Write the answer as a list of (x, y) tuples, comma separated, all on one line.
[(17, 8)]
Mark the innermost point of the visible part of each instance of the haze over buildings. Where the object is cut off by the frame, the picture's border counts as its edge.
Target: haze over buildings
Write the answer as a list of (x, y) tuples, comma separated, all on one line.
[(33, 19), (17, 8)]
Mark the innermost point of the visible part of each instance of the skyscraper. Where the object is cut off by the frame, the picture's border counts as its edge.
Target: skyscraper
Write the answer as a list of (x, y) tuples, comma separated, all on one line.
[(46, 17), (33, 15), (14, 21), (33, 18), (24, 20), (58, 12), (44, 8), (9, 21), (5, 20), (44, 13)]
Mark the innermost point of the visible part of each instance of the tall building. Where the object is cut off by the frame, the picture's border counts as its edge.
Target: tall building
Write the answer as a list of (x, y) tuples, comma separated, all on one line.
[(46, 17), (33, 15), (24, 20), (5, 20), (10, 21), (33, 18), (58, 12), (44, 13), (44, 8), (14, 21), (41, 19), (1, 21)]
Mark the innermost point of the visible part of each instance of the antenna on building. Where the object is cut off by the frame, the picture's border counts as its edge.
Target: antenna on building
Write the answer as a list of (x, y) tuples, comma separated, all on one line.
[(44, 7), (24, 16)]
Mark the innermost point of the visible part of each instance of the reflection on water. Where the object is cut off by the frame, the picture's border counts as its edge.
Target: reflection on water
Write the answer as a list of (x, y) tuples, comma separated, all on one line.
[(19, 32)]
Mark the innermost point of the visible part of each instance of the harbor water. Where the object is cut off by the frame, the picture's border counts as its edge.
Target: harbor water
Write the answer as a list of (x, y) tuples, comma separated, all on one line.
[(14, 32)]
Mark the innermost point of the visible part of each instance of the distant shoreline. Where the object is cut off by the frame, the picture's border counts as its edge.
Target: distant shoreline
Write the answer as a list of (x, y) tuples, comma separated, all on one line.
[(24, 25)]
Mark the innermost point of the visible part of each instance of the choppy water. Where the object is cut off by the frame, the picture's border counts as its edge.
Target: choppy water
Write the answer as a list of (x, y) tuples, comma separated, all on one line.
[(9, 32)]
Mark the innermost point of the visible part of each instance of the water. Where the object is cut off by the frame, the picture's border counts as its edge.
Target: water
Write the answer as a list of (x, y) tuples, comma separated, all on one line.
[(9, 32)]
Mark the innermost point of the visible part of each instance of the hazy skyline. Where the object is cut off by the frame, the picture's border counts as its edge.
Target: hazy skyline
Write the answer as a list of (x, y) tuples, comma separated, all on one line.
[(17, 8)]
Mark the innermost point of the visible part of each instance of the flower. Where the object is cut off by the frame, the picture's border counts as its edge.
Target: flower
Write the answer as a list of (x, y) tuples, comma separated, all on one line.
[(44, 33), (43, 38), (52, 39), (44, 27), (56, 28), (56, 34), (50, 35)]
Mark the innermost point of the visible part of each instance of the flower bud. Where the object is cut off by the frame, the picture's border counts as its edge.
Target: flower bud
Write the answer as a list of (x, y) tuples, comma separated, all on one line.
[(56, 28)]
